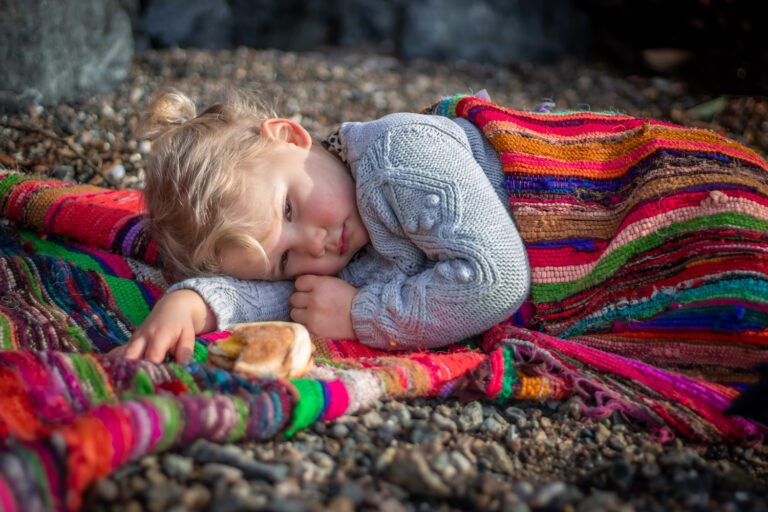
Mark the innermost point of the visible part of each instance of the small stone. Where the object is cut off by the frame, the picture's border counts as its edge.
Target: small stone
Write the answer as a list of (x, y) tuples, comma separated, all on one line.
[(617, 442), (471, 417), (63, 172), (353, 492), (410, 470), (496, 458), (287, 505), (650, 470), (339, 431), (160, 497), (372, 420), (116, 173), (403, 416), (511, 435), (213, 472), (515, 415), (602, 433), (426, 437), (205, 451), (134, 506), (540, 437), (573, 408), (493, 425), (138, 484), (106, 489), (388, 430), (340, 504), (392, 505), (145, 147), (548, 494), (524, 489), (444, 423), (177, 467)]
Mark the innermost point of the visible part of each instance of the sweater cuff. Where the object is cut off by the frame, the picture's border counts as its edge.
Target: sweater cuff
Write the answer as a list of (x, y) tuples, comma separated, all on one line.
[(363, 312), (221, 307)]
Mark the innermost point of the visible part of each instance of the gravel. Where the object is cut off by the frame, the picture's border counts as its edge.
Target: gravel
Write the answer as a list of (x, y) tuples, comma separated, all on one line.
[(436, 454)]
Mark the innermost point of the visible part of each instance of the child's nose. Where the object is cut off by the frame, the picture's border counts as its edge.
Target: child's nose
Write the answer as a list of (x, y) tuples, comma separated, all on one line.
[(316, 242)]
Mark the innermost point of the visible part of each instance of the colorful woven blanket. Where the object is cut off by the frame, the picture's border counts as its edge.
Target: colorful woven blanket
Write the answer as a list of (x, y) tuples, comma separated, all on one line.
[(78, 271)]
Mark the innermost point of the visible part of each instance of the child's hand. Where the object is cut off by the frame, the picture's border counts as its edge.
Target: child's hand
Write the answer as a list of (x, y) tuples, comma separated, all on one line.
[(324, 305), (170, 327)]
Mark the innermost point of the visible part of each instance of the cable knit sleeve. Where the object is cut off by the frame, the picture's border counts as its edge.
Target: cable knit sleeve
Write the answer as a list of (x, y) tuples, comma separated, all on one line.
[(431, 210), (235, 301)]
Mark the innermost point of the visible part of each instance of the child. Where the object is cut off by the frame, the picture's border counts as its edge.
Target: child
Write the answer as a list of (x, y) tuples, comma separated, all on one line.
[(385, 232), (649, 238)]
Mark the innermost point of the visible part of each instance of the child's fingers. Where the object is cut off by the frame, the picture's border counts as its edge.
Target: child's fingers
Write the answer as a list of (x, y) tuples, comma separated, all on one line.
[(299, 315), (118, 352), (299, 299), (185, 348), (305, 283), (157, 350), (134, 349)]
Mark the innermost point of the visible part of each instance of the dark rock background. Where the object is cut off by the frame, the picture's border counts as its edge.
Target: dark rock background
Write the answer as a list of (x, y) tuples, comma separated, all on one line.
[(53, 50), (721, 44)]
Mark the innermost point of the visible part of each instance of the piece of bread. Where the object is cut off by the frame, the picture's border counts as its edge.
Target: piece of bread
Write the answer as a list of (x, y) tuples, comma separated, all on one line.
[(265, 349)]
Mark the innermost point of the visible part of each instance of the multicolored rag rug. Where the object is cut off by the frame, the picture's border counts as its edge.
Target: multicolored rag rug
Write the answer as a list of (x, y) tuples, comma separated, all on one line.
[(666, 277)]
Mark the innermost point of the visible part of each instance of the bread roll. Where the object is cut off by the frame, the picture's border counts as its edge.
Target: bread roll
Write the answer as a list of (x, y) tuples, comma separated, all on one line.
[(265, 349)]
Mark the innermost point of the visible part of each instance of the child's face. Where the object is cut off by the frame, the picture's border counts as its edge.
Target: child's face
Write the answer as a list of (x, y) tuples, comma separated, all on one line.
[(305, 216)]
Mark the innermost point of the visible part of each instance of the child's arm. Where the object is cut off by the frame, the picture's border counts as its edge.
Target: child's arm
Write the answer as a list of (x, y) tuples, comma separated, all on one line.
[(170, 328), (204, 304), (432, 211)]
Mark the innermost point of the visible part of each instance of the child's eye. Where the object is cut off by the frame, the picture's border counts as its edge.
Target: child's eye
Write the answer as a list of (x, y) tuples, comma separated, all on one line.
[(288, 209)]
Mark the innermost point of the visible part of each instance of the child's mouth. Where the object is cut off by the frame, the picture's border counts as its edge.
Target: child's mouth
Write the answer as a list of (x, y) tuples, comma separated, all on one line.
[(343, 244)]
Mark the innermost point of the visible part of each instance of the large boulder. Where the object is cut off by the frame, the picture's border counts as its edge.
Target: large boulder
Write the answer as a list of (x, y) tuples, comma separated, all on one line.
[(54, 50)]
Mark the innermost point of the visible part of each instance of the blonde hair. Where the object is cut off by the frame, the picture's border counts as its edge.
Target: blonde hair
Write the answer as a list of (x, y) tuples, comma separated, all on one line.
[(194, 183)]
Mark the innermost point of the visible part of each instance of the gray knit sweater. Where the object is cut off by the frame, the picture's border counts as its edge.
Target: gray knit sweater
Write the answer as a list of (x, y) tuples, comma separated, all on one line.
[(445, 259)]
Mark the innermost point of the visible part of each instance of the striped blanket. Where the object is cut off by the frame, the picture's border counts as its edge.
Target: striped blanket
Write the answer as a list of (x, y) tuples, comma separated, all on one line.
[(645, 239), (78, 271)]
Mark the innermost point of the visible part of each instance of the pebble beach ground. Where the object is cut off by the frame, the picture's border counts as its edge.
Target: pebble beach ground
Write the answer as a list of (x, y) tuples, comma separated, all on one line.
[(424, 454)]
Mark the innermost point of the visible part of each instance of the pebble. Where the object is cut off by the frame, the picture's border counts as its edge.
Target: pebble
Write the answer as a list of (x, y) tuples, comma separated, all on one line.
[(496, 458), (602, 433), (196, 497), (494, 426), (388, 430), (205, 451), (106, 489), (471, 417), (177, 466), (339, 431), (212, 472), (64, 173), (547, 494), (444, 423), (516, 416), (410, 470), (371, 419)]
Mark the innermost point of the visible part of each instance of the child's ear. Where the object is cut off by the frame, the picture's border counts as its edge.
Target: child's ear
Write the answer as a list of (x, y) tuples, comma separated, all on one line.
[(286, 130)]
